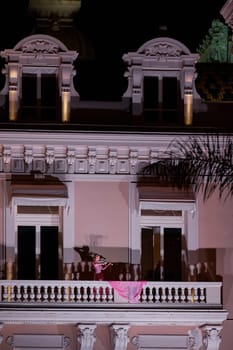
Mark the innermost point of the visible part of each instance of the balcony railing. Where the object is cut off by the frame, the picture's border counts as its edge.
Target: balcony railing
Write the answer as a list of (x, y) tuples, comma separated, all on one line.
[(154, 294)]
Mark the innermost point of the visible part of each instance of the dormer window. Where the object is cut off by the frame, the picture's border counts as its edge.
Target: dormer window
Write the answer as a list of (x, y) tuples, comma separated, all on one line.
[(39, 74)]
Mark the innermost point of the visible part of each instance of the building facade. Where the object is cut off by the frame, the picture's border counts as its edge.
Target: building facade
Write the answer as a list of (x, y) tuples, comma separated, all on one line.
[(68, 182)]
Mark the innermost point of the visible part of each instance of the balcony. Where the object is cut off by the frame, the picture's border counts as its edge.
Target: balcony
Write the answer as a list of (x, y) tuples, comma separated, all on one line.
[(138, 293), (142, 300)]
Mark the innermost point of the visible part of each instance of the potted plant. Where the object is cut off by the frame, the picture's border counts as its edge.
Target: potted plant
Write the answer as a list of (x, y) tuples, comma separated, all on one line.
[(215, 65)]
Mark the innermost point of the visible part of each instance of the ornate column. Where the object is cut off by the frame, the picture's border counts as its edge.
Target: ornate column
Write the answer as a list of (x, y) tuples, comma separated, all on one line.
[(86, 336), (121, 338), (212, 338)]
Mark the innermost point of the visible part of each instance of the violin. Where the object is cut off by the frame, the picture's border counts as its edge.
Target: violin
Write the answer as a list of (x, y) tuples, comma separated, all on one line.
[(103, 261)]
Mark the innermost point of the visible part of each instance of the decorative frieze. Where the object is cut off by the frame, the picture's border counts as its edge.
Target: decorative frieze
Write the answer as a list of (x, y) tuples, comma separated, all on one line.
[(93, 160), (120, 155)]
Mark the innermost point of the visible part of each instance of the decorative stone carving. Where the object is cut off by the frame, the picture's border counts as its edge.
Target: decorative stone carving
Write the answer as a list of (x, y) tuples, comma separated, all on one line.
[(40, 47), (162, 50), (86, 337), (121, 338), (212, 337), (195, 340)]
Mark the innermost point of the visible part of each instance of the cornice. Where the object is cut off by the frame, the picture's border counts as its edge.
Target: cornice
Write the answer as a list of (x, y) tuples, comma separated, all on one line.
[(132, 316), (81, 153)]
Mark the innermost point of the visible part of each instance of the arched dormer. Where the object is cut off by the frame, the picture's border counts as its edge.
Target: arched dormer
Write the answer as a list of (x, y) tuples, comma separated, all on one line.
[(39, 69), (161, 59)]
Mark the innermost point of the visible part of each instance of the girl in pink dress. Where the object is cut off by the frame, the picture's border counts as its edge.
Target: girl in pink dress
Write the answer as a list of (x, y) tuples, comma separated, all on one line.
[(99, 267)]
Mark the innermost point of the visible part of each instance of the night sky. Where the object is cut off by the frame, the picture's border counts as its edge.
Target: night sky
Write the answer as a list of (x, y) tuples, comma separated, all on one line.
[(115, 28)]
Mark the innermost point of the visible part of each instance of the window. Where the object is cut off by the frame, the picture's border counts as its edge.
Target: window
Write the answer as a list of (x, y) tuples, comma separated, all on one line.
[(166, 231)]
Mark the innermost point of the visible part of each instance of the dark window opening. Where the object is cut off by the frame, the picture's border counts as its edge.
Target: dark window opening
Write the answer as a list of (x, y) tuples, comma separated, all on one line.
[(40, 98)]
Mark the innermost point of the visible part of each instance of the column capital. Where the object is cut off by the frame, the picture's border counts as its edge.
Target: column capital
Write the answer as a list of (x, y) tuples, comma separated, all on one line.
[(212, 337), (121, 338), (86, 336)]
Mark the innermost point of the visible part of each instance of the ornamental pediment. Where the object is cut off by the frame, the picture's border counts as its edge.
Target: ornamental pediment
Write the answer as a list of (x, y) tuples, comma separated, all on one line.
[(40, 44), (163, 47)]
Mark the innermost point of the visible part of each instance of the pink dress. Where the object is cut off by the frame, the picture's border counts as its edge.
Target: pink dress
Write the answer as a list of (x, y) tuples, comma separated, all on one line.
[(98, 272)]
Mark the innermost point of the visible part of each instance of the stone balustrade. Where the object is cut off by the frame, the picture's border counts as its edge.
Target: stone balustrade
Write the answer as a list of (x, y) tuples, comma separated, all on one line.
[(190, 294)]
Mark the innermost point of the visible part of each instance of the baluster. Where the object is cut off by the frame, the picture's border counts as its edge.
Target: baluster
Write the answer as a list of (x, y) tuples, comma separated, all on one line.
[(32, 294), (96, 293), (52, 294), (72, 296), (103, 294), (25, 293), (190, 295), (143, 295), (39, 296), (175, 294), (182, 294), (66, 296), (85, 296), (202, 296), (45, 296), (163, 294), (150, 295), (195, 295), (92, 293), (11, 293), (169, 294), (78, 294), (29, 293), (4, 293), (19, 293), (110, 295), (59, 292), (156, 295)]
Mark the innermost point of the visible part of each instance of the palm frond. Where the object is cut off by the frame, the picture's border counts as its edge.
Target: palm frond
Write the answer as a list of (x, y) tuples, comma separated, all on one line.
[(203, 162)]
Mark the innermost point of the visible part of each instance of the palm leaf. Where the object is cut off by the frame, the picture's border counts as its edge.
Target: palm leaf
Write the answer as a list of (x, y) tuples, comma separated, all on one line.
[(202, 162)]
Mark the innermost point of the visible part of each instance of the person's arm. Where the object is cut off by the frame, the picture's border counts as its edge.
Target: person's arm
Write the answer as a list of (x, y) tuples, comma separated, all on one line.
[(107, 265)]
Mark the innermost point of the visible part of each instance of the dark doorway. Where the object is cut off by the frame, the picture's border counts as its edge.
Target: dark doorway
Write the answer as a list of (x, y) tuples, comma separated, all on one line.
[(155, 267), (48, 259), (49, 91), (40, 97), (150, 258), (49, 253), (151, 102), (172, 254), (147, 254), (26, 252)]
